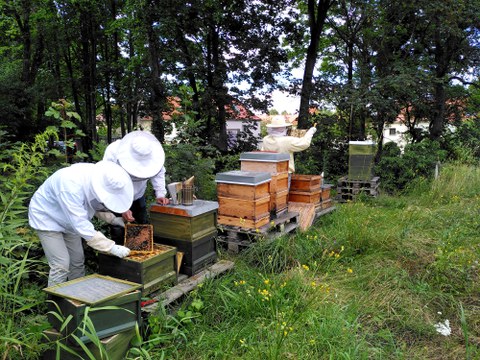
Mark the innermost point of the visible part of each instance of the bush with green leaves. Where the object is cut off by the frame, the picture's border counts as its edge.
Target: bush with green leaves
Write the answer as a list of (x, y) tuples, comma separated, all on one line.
[(398, 171)]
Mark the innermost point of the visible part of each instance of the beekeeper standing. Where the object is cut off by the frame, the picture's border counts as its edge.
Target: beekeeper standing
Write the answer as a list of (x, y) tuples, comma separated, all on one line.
[(141, 155), (278, 141), (62, 208)]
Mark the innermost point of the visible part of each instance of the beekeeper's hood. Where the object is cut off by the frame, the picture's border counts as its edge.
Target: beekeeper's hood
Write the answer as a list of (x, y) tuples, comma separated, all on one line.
[(111, 186), (141, 154)]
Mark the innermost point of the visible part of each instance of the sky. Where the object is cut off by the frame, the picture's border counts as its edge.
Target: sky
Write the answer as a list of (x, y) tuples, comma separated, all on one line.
[(285, 102)]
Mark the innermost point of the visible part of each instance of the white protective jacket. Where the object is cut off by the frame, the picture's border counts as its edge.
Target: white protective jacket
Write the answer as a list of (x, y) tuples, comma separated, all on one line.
[(63, 202), (139, 186), (288, 144)]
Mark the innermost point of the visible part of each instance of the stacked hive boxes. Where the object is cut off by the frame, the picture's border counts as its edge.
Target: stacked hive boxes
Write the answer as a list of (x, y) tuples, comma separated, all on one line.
[(111, 305), (276, 164), (306, 189), (191, 229), (325, 199), (243, 198)]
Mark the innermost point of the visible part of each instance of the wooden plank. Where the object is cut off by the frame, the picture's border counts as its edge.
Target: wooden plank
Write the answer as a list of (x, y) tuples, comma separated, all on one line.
[(306, 212), (189, 284)]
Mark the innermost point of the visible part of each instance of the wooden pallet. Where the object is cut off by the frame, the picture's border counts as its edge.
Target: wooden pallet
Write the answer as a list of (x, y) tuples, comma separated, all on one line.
[(348, 190), (236, 238), (187, 284)]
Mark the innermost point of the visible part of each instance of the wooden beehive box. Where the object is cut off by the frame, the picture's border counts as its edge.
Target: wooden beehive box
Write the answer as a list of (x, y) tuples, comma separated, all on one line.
[(246, 185), (139, 238), (279, 201), (311, 197), (264, 161), (243, 223), (152, 270), (326, 192), (116, 346), (113, 305), (197, 254), (305, 182), (279, 183), (186, 223)]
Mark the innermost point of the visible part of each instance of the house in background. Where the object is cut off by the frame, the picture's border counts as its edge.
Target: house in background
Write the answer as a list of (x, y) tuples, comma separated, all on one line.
[(240, 119)]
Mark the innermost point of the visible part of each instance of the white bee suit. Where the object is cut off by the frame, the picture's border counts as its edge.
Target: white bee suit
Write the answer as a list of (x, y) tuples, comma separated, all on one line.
[(61, 211), (288, 144)]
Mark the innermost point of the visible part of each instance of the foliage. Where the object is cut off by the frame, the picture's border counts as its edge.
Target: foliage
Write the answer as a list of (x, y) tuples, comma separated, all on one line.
[(397, 171), (21, 167)]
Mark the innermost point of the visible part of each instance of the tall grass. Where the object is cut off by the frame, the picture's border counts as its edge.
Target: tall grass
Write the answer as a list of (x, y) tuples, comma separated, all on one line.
[(20, 330), (367, 281)]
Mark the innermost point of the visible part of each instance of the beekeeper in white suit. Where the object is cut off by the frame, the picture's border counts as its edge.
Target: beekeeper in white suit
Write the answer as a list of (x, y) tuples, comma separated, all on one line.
[(278, 141), (141, 155), (62, 208)]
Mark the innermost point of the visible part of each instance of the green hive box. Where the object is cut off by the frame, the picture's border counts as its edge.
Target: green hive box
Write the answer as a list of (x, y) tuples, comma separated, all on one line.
[(360, 160), (153, 270), (111, 304)]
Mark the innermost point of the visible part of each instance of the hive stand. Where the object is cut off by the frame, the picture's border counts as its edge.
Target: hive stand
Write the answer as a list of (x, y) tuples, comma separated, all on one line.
[(236, 238), (348, 190)]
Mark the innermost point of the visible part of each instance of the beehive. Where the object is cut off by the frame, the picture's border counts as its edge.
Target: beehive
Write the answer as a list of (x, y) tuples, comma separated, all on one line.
[(152, 270), (113, 305), (301, 182), (360, 160), (264, 161)]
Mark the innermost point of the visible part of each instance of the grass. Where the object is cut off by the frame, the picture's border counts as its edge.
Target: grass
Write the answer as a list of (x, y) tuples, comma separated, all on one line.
[(368, 281)]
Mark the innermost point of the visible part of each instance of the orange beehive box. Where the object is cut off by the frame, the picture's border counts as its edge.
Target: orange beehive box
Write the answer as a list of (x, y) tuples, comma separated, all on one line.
[(278, 201), (247, 209), (326, 192), (264, 161), (312, 197), (305, 182), (279, 183)]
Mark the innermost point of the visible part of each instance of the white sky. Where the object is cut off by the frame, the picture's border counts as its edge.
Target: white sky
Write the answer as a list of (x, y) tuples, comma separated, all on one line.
[(285, 102)]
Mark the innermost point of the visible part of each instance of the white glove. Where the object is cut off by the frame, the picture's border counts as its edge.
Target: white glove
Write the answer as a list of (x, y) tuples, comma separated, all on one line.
[(100, 242), (118, 221), (311, 131), (119, 251)]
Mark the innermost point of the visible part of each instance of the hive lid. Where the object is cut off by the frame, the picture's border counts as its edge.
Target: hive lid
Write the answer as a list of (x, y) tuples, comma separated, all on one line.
[(92, 289), (243, 177), (265, 156), (199, 207)]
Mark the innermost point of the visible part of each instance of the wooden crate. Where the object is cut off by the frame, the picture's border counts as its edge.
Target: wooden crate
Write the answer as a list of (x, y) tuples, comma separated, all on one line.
[(186, 223), (123, 311), (247, 209), (242, 191), (264, 161), (325, 195), (197, 254), (312, 197), (152, 271), (279, 183), (243, 223), (305, 182), (278, 201), (116, 346)]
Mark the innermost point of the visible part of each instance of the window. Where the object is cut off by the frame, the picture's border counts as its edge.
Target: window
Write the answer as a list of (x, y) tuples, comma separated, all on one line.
[(392, 131)]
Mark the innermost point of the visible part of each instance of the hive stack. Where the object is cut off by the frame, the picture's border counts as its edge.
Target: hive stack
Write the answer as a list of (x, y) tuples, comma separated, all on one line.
[(306, 189), (325, 199), (191, 229), (276, 164), (113, 307), (243, 198)]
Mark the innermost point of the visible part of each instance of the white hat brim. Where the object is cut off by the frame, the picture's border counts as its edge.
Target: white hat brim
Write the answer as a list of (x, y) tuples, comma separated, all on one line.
[(144, 167), (278, 125), (117, 199)]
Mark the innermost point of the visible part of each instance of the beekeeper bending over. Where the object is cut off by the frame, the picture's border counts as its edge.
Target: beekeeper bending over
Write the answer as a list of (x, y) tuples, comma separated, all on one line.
[(278, 141), (141, 155), (61, 210)]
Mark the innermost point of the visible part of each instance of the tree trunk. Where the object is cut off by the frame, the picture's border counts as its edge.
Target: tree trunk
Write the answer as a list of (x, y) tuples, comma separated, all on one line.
[(317, 15)]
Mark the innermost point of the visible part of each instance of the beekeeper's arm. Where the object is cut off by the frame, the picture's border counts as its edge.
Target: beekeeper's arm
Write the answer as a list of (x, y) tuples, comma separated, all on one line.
[(110, 218), (79, 220), (158, 184), (299, 144)]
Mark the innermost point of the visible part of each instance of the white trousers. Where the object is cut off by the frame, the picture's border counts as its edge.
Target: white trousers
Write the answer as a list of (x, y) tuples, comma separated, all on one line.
[(65, 256)]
